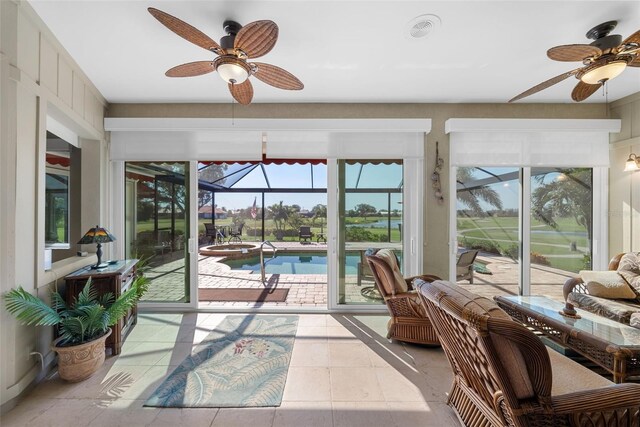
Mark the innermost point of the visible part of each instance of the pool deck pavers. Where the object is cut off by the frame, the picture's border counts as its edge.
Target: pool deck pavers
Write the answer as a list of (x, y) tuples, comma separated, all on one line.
[(310, 290)]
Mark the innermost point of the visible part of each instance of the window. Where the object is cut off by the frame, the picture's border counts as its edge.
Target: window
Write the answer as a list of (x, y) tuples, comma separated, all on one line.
[(61, 166)]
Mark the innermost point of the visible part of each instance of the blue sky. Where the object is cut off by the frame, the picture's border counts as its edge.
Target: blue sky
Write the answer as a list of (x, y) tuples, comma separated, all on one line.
[(299, 176)]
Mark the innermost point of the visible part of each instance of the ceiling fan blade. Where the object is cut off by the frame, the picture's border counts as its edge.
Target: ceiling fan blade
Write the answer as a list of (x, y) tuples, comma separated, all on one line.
[(635, 62), (257, 38), (583, 90), (185, 30), (243, 92), (633, 38), (191, 69), (573, 52), (545, 84), (277, 77)]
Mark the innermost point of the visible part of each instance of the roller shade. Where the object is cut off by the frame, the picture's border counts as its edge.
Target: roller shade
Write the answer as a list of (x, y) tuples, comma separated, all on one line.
[(532, 142), (155, 139)]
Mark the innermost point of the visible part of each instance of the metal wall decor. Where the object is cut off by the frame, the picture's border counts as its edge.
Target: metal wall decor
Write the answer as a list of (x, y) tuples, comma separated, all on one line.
[(435, 177)]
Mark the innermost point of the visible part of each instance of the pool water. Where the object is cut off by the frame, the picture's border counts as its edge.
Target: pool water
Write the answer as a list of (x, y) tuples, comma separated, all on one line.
[(293, 263)]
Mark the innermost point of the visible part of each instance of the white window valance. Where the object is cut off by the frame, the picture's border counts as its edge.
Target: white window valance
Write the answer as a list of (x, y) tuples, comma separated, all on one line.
[(149, 139), (530, 142)]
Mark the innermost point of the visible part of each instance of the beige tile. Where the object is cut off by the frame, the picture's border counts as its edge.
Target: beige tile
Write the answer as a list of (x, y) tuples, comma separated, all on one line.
[(143, 387), (162, 319), (147, 353), (177, 354), (440, 379), (108, 384), (307, 414), (307, 384), (70, 412), (187, 417), (243, 417), (406, 386), (26, 411), (348, 354), (340, 334), (310, 354), (353, 384), (424, 357), (125, 413), (308, 333), (312, 320), (423, 414), (142, 332), (361, 414)]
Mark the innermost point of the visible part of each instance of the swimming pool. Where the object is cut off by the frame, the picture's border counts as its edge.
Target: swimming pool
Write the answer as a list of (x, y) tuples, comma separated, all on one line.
[(293, 263)]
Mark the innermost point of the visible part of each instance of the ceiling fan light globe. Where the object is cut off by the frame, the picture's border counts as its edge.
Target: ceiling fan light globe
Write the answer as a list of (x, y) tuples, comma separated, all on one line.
[(232, 73), (603, 73)]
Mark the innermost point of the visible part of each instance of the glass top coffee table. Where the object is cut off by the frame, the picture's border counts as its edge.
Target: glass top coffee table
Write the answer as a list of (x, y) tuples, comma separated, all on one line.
[(612, 345)]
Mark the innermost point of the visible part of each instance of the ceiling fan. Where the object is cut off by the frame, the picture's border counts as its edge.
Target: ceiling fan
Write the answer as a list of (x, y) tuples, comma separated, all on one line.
[(235, 49), (605, 58)]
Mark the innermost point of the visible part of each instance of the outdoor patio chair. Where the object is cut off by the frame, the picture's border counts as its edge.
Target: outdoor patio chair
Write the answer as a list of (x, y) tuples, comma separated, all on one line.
[(363, 269), (409, 321), (464, 266), (505, 376), (235, 233), (305, 234)]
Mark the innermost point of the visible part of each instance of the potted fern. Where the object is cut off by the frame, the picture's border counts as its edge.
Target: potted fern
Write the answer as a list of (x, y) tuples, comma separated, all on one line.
[(83, 326)]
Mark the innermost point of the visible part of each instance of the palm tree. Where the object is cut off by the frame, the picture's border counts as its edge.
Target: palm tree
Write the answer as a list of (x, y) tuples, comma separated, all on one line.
[(471, 194), (568, 195)]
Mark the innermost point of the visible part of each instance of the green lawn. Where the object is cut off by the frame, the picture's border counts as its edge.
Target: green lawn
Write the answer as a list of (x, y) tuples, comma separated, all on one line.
[(554, 244)]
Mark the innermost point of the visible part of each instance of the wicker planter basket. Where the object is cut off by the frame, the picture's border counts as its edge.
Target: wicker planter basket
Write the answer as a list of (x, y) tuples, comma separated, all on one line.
[(79, 362)]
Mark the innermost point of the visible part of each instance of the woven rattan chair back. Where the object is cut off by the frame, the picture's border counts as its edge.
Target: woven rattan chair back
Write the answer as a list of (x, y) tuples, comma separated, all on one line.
[(502, 371), (409, 321)]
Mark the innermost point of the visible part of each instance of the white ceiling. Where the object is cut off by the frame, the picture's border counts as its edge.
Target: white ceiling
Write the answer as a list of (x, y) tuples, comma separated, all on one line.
[(343, 51)]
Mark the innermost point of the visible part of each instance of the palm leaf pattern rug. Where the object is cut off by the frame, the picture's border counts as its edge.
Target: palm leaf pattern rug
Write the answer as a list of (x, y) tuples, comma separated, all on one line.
[(243, 362)]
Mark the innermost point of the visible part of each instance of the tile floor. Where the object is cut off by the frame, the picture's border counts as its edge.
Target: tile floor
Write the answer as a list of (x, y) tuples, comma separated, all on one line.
[(343, 372)]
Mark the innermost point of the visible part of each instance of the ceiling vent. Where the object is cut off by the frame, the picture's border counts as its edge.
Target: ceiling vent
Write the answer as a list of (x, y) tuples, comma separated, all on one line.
[(422, 26)]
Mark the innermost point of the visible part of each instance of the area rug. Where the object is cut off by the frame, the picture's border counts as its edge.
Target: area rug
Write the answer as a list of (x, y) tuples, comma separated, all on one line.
[(243, 294), (242, 363)]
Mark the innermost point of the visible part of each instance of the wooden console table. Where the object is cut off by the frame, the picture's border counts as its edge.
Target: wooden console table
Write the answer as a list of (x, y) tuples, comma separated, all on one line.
[(115, 278), (610, 344)]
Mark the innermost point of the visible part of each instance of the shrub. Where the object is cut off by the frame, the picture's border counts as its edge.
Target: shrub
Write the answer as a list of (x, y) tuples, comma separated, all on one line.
[(538, 258)]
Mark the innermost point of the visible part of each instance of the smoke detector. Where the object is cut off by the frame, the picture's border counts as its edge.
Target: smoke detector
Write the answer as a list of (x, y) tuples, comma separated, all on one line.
[(423, 26)]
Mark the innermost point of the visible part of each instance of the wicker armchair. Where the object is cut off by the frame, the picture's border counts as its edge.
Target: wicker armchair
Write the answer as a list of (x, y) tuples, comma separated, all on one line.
[(503, 373), (409, 321)]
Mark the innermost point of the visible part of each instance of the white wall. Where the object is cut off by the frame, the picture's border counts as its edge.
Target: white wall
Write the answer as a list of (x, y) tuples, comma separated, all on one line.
[(624, 187), (37, 79)]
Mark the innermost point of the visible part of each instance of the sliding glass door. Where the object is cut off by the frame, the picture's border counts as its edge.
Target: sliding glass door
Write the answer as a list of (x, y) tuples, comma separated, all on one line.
[(532, 228), (157, 224), (561, 224), (370, 215)]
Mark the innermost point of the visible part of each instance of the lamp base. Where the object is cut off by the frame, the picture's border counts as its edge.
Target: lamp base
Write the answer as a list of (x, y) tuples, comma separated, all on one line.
[(103, 265)]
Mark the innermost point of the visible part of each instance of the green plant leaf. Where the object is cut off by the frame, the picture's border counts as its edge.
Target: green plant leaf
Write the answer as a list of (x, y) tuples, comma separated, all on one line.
[(72, 330), (106, 300), (58, 303), (29, 309), (123, 304), (88, 295)]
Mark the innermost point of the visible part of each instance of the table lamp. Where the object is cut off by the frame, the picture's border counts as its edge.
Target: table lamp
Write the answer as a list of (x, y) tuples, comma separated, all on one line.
[(97, 235)]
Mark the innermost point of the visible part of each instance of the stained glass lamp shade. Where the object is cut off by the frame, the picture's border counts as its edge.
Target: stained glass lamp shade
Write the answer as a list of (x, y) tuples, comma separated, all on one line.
[(97, 235)]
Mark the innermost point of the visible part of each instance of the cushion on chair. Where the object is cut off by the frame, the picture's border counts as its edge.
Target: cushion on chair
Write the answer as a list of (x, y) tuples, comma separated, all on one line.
[(566, 371), (509, 354), (618, 310), (633, 279), (607, 284), (635, 320), (398, 279), (630, 262)]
